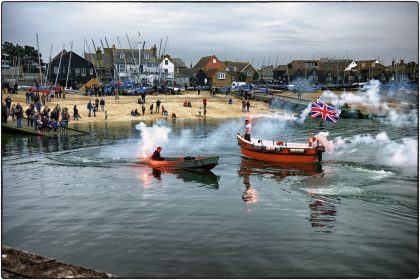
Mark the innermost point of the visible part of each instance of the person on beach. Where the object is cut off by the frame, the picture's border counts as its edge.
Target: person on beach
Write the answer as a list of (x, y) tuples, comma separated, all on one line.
[(151, 109), (27, 98), (106, 115), (243, 105), (28, 113), (38, 106), (89, 107), (230, 101), (8, 101), (156, 154), (143, 109), (76, 115), (198, 90), (4, 111), (199, 112), (19, 115), (204, 102), (12, 112), (43, 97), (97, 104), (248, 104), (247, 130), (158, 102), (102, 103)]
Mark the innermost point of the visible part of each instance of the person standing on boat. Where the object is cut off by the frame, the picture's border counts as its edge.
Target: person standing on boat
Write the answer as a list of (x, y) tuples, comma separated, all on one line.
[(156, 154), (247, 130)]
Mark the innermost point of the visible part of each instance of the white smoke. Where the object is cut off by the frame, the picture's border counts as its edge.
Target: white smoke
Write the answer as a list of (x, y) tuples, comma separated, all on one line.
[(152, 137), (403, 153), (372, 100)]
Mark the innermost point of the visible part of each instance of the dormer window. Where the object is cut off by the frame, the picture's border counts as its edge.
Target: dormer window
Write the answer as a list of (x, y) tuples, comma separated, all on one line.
[(121, 56), (146, 56), (166, 62), (214, 61), (234, 69)]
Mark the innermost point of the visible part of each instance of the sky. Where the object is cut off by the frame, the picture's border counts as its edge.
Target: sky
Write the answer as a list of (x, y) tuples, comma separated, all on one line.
[(262, 33)]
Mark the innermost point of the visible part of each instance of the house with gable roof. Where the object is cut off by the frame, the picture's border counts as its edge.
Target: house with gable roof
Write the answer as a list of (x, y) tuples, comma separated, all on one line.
[(241, 71), (209, 70), (365, 70)]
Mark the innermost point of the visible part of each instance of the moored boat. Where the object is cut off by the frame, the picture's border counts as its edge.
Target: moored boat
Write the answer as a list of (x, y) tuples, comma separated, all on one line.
[(281, 151), (196, 163)]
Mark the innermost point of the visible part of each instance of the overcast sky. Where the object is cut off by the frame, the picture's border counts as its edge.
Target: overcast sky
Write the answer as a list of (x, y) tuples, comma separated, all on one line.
[(269, 32)]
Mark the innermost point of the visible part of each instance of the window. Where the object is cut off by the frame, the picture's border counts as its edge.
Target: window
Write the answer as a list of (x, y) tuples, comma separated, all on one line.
[(234, 69), (363, 65), (55, 70), (233, 78), (77, 72), (221, 76), (166, 71), (91, 71), (373, 64), (83, 72), (214, 61), (166, 62), (249, 74), (121, 55), (146, 56)]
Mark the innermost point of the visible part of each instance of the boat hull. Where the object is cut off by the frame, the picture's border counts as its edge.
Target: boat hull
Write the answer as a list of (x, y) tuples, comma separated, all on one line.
[(196, 163), (280, 154)]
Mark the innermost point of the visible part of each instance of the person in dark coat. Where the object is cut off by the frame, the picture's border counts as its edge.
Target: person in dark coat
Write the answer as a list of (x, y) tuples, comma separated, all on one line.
[(156, 154)]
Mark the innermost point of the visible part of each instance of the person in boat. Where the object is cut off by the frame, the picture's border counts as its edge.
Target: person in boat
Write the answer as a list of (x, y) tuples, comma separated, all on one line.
[(156, 154), (247, 130)]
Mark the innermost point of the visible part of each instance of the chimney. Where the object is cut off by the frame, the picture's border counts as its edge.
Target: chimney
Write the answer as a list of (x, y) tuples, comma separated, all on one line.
[(402, 62)]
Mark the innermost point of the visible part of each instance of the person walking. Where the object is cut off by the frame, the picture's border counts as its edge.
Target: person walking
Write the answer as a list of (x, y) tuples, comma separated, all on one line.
[(204, 102), (76, 115), (89, 107), (248, 104), (8, 101), (158, 105), (151, 109), (143, 109), (102, 103), (97, 104)]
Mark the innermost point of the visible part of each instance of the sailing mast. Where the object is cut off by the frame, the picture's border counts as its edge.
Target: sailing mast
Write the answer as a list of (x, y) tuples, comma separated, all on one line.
[(59, 65), (49, 65), (68, 67), (39, 58), (93, 62)]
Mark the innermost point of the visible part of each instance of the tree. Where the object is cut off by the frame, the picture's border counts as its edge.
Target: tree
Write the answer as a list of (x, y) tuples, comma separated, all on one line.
[(27, 55)]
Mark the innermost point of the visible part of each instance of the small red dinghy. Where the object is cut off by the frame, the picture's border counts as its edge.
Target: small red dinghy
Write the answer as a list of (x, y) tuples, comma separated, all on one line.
[(280, 151)]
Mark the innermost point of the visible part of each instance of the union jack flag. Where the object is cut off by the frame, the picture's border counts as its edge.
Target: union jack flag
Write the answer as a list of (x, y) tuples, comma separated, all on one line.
[(325, 112)]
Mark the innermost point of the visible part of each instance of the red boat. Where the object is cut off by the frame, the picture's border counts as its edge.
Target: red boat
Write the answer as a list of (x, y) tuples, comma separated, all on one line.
[(281, 151), (192, 163)]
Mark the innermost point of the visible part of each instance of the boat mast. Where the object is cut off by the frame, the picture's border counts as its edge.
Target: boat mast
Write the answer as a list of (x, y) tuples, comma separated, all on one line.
[(114, 66), (93, 62), (39, 58), (68, 67), (106, 63), (59, 65), (132, 53), (49, 65)]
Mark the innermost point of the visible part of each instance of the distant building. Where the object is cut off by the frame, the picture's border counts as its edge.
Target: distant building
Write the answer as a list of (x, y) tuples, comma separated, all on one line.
[(266, 73), (209, 70), (404, 72), (361, 71), (80, 71), (241, 71)]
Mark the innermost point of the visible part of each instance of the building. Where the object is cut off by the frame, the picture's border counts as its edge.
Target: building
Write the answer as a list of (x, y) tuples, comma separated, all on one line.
[(136, 65), (404, 72), (209, 70), (360, 71), (73, 69), (241, 71)]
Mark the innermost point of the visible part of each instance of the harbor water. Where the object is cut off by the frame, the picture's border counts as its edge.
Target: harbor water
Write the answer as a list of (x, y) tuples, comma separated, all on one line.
[(86, 200)]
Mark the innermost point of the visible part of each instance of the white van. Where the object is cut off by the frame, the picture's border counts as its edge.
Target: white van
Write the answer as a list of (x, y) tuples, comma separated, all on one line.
[(237, 84)]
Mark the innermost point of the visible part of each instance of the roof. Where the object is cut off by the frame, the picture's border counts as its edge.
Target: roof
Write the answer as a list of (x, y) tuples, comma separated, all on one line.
[(187, 72), (240, 65), (59, 54), (178, 63), (202, 62)]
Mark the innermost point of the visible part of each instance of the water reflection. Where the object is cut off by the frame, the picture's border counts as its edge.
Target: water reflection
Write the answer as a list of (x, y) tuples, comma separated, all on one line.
[(276, 171), (206, 178)]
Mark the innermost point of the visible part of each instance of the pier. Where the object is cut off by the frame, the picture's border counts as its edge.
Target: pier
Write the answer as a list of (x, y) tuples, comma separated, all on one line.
[(21, 264)]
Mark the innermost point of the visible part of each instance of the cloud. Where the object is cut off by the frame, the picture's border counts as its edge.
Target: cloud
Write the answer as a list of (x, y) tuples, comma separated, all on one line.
[(231, 30)]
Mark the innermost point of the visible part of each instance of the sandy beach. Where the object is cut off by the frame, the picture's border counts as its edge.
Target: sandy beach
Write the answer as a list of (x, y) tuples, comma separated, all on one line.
[(120, 110)]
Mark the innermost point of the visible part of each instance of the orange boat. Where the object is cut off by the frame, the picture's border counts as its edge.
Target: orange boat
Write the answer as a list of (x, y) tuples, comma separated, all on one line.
[(281, 151)]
